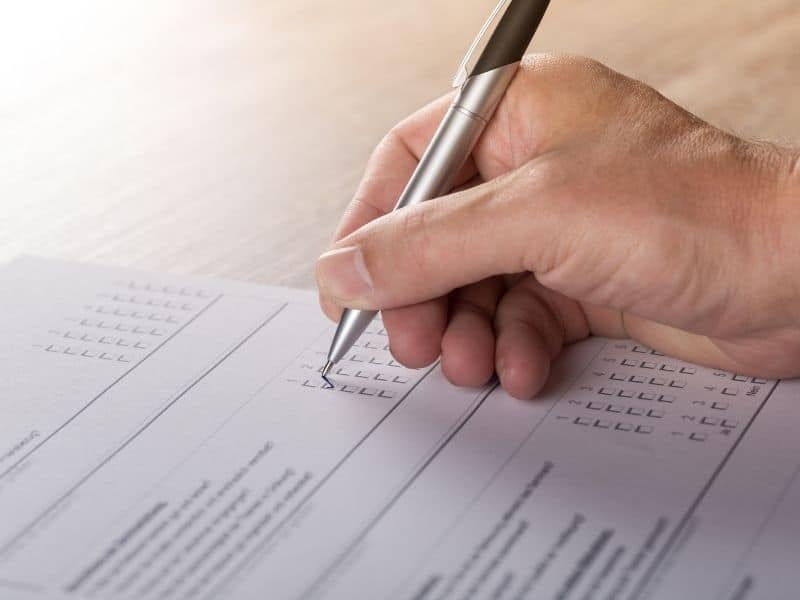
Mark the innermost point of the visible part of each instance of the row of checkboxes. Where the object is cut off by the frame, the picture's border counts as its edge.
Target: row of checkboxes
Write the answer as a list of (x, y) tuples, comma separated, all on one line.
[(345, 372), (123, 327), (724, 423), (133, 314), (635, 411), (370, 345), (650, 396), (606, 424), (665, 367), (642, 379), (163, 289), (349, 389), (167, 303), (70, 351), (363, 358), (745, 379), (106, 339)]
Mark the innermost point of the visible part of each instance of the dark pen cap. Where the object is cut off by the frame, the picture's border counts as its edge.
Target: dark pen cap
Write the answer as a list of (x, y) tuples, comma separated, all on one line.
[(512, 36)]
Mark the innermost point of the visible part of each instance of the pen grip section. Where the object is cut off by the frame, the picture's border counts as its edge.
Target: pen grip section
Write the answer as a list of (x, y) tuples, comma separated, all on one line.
[(448, 151)]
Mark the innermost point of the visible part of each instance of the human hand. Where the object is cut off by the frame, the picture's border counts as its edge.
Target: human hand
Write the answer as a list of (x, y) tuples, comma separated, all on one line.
[(593, 205)]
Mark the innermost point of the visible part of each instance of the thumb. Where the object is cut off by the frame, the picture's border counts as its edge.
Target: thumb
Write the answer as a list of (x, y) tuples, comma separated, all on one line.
[(427, 250)]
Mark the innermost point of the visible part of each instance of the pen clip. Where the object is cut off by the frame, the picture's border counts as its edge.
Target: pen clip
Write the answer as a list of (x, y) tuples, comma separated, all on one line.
[(462, 74)]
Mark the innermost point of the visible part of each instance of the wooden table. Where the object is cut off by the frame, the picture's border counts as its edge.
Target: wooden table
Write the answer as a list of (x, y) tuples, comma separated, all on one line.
[(225, 138)]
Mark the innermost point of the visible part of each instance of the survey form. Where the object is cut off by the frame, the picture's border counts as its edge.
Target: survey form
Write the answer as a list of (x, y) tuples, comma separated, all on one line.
[(170, 437)]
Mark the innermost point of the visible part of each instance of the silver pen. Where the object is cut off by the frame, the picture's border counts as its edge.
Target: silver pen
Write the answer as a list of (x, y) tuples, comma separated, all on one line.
[(507, 34)]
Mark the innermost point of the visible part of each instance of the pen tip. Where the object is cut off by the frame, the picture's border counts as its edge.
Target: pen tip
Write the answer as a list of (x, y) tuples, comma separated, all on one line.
[(327, 368)]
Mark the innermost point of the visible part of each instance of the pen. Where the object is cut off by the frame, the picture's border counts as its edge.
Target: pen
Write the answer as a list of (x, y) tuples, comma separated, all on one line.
[(507, 33)]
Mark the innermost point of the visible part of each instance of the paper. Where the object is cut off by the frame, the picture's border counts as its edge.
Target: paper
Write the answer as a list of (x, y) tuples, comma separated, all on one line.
[(170, 437)]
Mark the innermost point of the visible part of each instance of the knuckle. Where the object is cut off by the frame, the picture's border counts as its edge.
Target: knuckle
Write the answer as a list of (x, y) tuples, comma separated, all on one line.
[(544, 67)]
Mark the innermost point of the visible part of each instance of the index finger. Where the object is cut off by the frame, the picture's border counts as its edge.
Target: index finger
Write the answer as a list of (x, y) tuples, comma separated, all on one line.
[(392, 164)]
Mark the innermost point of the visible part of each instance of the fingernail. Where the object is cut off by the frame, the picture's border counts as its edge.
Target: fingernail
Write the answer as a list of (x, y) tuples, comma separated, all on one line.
[(343, 274)]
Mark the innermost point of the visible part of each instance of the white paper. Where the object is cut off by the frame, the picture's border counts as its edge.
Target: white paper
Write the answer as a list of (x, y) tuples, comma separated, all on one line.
[(170, 437)]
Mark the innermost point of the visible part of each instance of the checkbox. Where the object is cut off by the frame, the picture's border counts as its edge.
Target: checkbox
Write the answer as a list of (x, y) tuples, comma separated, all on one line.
[(595, 406), (658, 381), (655, 413), (617, 377), (624, 426), (607, 391), (602, 424), (635, 411), (730, 424), (677, 384), (666, 398), (758, 381), (720, 406), (637, 379), (583, 421), (641, 349), (688, 370), (648, 365), (626, 394), (629, 362), (615, 408), (668, 368), (739, 378), (647, 396), (730, 391), (698, 437), (709, 421), (644, 429)]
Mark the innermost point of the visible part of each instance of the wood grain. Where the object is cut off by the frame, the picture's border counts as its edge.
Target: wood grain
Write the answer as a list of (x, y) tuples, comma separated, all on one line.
[(225, 138)]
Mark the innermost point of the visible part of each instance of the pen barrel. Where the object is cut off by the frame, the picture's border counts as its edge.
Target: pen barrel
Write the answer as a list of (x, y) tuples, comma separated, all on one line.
[(449, 149), (457, 135), (351, 326)]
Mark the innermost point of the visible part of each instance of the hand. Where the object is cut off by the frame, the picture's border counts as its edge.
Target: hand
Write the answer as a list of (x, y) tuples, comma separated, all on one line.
[(591, 205)]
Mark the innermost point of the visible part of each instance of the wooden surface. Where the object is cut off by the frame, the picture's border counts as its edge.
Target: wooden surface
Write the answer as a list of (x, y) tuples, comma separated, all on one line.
[(224, 138)]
